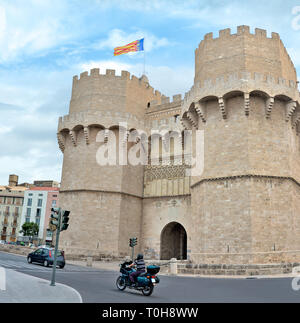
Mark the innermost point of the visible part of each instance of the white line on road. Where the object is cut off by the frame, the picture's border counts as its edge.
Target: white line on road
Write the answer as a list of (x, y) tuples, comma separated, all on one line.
[(2, 279)]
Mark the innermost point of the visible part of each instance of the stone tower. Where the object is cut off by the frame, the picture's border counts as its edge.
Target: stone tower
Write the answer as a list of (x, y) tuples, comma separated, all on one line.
[(243, 209), (245, 98), (105, 201)]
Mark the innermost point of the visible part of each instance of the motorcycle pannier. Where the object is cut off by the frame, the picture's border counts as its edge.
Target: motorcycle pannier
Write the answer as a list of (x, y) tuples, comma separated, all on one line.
[(153, 270), (143, 281)]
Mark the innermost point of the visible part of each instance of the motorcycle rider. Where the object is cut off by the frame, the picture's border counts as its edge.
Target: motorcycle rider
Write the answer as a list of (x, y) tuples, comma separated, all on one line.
[(140, 268)]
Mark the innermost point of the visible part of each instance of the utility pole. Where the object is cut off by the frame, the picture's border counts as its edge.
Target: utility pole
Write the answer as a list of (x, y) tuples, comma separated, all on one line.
[(58, 221)]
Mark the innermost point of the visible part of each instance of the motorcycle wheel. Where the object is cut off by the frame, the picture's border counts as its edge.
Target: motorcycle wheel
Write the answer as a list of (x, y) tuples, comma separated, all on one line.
[(120, 284), (147, 291)]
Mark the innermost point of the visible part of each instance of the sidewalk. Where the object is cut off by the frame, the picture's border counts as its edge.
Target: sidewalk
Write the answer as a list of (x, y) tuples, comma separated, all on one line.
[(114, 266), (22, 288)]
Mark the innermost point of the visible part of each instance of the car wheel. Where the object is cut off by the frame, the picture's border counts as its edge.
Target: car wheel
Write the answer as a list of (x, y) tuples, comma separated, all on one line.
[(29, 260), (46, 264), (61, 266)]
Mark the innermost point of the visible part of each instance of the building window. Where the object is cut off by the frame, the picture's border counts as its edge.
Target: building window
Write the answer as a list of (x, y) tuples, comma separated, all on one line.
[(29, 202), (38, 213), (28, 212), (27, 220), (41, 195), (54, 196), (37, 221), (40, 202), (30, 194), (54, 203)]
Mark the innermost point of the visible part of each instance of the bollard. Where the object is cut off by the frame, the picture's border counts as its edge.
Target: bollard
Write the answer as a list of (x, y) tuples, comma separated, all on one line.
[(296, 270), (173, 266), (89, 261)]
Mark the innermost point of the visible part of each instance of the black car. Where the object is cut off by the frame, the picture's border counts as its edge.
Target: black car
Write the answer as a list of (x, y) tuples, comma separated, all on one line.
[(45, 256)]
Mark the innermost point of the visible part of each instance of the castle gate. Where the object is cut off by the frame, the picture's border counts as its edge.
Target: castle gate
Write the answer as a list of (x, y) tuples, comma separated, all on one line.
[(173, 242)]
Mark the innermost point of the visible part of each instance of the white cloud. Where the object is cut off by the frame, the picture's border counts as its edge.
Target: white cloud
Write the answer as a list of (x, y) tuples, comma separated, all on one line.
[(30, 28), (162, 78), (5, 129), (117, 37), (104, 65)]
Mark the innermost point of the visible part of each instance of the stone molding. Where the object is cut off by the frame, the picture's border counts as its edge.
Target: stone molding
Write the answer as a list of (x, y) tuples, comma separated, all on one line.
[(244, 176)]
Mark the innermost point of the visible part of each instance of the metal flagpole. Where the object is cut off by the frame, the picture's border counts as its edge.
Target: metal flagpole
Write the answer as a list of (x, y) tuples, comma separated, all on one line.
[(144, 62)]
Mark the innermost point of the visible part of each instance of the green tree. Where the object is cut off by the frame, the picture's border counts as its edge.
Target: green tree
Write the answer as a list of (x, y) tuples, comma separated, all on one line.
[(30, 229)]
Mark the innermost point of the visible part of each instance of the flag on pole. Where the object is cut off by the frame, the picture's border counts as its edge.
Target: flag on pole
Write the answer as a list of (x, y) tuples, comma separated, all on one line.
[(135, 46)]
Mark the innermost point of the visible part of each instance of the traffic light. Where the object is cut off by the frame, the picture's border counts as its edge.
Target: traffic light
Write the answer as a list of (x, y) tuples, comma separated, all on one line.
[(65, 220), (54, 219), (132, 242)]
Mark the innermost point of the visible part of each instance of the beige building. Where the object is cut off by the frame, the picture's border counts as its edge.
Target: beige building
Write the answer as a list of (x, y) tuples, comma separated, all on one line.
[(48, 183), (11, 204), (243, 208)]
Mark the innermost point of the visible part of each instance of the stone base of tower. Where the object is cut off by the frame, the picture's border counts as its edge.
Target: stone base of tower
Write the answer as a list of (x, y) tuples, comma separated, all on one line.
[(246, 220), (101, 223), (237, 270)]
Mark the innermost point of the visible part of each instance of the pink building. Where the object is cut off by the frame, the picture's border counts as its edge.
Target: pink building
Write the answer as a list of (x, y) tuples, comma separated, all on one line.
[(38, 202)]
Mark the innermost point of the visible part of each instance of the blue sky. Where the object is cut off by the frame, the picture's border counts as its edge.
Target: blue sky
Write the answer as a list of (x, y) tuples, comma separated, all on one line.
[(43, 43)]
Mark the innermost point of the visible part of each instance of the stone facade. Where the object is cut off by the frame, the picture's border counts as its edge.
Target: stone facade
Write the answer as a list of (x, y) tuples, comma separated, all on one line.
[(243, 208), (11, 205)]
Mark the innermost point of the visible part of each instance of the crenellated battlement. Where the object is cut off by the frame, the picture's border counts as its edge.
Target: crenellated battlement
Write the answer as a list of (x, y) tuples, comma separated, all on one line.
[(101, 91), (166, 103), (241, 30), (109, 74), (96, 72), (243, 51)]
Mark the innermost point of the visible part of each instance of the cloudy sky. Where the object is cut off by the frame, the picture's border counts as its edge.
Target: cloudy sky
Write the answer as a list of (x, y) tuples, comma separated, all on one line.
[(43, 43)]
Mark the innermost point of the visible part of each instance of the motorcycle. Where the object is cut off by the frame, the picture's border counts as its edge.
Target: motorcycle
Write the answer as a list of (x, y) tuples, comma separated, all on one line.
[(145, 281)]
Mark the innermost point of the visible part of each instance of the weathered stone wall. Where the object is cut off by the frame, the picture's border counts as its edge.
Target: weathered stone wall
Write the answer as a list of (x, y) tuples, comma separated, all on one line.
[(242, 51), (157, 214), (94, 222), (111, 92)]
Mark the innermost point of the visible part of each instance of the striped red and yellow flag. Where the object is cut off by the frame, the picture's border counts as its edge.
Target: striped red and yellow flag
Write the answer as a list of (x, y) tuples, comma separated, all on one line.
[(135, 46)]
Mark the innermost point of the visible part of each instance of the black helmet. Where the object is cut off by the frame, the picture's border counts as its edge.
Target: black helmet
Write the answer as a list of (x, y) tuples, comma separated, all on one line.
[(140, 256)]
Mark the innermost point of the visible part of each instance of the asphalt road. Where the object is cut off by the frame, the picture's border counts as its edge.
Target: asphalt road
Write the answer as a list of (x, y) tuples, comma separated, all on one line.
[(98, 286)]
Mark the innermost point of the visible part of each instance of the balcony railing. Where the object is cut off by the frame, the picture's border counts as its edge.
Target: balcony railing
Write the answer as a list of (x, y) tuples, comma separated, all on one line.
[(14, 225), (5, 224)]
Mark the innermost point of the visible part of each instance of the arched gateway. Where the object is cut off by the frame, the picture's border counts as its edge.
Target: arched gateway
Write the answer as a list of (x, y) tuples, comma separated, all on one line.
[(173, 242)]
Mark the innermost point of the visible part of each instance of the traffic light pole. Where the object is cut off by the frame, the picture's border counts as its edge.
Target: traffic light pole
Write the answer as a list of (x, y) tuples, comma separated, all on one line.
[(56, 249), (132, 253)]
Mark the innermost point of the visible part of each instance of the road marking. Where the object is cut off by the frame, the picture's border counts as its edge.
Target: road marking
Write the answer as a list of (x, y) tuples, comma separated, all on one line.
[(2, 279)]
